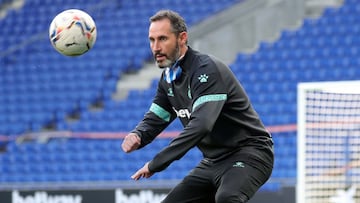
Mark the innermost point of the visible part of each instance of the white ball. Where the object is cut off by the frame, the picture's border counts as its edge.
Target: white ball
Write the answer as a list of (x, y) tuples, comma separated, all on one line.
[(72, 32)]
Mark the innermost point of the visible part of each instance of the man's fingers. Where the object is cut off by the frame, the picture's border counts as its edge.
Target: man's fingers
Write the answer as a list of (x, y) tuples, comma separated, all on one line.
[(142, 173), (135, 140), (137, 175), (126, 146), (131, 142)]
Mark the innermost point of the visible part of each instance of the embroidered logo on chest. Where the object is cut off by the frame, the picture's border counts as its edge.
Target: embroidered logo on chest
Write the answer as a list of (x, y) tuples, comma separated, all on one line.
[(203, 78), (170, 92)]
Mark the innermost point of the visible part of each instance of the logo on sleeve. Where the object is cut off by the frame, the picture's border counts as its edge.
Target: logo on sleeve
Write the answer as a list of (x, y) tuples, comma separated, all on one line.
[(203, 78)]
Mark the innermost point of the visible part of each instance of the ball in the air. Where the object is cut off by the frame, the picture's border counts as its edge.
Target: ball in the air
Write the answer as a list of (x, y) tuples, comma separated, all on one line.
[(72, 32)]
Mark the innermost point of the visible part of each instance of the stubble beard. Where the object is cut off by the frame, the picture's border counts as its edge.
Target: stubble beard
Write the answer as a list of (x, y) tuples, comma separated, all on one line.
[(169, 61)]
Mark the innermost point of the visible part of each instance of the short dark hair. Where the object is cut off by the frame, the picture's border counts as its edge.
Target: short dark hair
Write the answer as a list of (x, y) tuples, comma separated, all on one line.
[(177, 22)]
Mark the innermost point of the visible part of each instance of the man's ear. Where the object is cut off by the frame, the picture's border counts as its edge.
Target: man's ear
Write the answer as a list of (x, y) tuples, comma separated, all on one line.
[(183, 36)]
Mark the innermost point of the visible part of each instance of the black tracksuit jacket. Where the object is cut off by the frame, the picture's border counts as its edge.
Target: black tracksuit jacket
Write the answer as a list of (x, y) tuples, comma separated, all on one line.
[(214, 109)]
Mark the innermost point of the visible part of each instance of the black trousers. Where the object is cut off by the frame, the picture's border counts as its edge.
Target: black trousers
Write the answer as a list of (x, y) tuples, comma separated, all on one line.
[(235, 179)]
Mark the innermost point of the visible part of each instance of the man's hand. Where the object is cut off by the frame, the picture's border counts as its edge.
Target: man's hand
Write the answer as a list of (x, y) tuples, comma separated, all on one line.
[(131, 142), (142, 173)]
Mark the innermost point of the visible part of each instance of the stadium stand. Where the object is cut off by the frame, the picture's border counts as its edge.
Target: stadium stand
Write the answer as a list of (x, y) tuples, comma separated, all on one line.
[(43, 88), (38, 89)]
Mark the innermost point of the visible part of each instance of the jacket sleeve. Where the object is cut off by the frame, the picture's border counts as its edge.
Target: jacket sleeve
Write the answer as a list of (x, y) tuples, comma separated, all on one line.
[(159, 116), (209, 96)]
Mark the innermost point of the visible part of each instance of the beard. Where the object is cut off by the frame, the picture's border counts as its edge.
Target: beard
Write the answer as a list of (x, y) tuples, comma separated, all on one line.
[(170, 59)]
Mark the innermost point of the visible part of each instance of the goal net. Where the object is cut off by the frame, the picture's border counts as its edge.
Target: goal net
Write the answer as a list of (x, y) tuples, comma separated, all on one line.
[(328, 166)]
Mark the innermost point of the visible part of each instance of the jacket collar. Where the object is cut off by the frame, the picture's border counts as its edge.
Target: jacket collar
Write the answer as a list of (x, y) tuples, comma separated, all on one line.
[(186, 61)]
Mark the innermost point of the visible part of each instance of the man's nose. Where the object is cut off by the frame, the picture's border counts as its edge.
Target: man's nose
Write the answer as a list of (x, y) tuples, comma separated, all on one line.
[(156, 46)]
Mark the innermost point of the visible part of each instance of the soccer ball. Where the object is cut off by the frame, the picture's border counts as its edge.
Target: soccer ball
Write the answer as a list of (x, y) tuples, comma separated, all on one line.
[(72, 32)]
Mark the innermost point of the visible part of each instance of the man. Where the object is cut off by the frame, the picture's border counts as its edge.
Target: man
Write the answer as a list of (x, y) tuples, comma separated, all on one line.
[(217, 117)]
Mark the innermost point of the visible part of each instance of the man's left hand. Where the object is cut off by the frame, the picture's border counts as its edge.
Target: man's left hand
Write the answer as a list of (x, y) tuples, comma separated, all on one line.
[(142, 173)]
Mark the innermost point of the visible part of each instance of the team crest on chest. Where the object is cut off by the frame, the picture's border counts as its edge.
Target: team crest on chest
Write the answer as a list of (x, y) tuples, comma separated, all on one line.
[(203, 78)]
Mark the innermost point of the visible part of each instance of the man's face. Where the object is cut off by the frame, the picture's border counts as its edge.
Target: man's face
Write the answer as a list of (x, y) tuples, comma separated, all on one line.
[(164, 44)]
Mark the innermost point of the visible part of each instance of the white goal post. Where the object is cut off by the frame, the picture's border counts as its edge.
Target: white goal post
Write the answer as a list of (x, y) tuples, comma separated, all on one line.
[(328, 148)]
